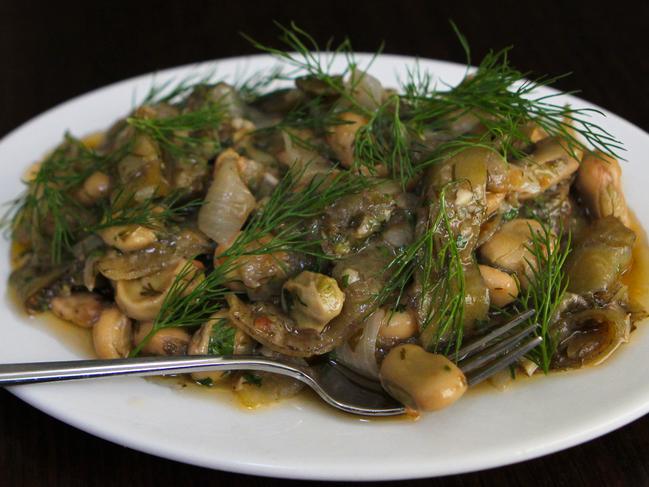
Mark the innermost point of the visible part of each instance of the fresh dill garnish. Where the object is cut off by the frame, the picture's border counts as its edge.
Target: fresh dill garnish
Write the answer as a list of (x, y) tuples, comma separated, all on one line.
[(546, 287), (510, 214), (172, 91), (48, 210), (385, 139), (153, 212), (178, 134), (315, 114), (443, 284), (344, 282), (512, 372), (252, 87), (504, 102), (434, 257), (190, 300), (207, 382), (290, 206), (307, 58), (279, 226)]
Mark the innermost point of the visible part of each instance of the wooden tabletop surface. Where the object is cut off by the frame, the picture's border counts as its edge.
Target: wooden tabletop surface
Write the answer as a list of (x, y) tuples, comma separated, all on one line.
[(51, 52)]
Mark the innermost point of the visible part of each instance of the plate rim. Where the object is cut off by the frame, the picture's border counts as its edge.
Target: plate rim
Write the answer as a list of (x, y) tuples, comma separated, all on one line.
[(31, 395)]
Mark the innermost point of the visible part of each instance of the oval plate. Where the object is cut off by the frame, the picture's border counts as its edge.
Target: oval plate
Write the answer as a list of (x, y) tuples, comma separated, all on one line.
[(299, 438)]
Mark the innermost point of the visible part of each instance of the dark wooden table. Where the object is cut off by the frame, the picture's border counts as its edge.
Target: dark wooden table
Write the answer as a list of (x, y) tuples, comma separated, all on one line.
[(51, 52)]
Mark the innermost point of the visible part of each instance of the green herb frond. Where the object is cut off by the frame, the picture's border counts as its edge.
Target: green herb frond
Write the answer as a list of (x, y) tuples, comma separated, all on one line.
[(288, 209), (251, 87), (184, 132), (172, 91), (546, 287), (435, 257), (47, 206), (307, 58), (385, 140), (221, 340), (154, 212), (279, 226), (192, 298), (504, 101), (444, 281)]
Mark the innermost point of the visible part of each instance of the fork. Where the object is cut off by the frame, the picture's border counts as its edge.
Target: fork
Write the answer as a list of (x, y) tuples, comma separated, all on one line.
[(336, 384)]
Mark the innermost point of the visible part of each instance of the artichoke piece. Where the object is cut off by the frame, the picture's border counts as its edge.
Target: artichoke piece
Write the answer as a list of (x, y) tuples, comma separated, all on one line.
[(476, 306), (142, 172), (348, 222), (167, 252), (602, 255), (38, 280), (466, 200), (312, 299), (279, 101), (268, 325), (549, 164), (554, 207), (313, 86), (589, 337)]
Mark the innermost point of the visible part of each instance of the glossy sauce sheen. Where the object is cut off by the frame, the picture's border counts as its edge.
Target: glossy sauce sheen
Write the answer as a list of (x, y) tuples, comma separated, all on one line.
[(79, 340), (637, 279)]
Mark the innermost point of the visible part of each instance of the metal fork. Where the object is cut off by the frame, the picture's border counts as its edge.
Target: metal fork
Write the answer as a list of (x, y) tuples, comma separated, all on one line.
[(337, 385)]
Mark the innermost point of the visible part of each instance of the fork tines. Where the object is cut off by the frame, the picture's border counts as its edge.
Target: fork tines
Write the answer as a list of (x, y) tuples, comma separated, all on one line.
[(498, 349)]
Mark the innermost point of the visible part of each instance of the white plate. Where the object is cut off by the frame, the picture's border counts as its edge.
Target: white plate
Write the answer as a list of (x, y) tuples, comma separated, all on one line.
[(299, 439)]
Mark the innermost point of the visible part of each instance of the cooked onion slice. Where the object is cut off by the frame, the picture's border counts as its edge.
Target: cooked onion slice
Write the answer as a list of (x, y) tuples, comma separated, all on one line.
[(359, 352), (228, 201)]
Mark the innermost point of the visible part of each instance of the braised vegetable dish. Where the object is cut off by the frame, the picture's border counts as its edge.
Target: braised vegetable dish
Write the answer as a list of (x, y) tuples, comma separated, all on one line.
[(313, 214)]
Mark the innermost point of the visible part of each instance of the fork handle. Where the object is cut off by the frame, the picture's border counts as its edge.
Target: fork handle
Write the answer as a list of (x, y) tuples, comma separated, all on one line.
[(29, 373)]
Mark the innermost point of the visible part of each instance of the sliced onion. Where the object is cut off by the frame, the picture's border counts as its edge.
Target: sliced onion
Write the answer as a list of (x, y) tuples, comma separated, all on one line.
[(228, 201), (359, 352), (367, 90)]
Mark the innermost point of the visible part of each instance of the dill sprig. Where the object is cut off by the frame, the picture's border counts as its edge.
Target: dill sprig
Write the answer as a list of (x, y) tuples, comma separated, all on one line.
[(546, 288), (48, 208), (435, 256), (499, 96), (252, 87), (314, 115), (307, 58), (153, 212), (279, 226), (172, 91), (288, 209), (449, 291), (186, 131), (504, 102), (190, 301), (385, 140)]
